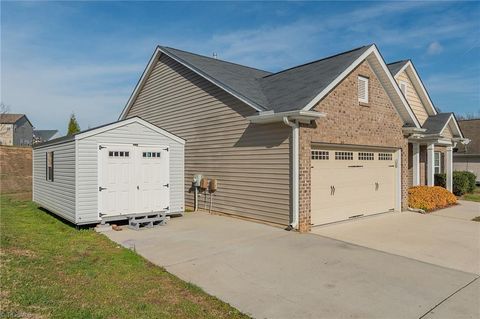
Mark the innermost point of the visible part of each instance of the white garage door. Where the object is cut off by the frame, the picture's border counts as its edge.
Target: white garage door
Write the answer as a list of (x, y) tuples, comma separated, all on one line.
[(133, 179), (347, 183)]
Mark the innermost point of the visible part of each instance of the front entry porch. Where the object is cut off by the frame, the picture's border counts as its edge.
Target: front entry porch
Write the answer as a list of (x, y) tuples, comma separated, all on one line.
[(427, 158)]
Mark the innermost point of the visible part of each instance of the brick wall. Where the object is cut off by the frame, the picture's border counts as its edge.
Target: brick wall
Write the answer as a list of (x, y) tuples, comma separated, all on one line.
[(347, 122), (15, 169)]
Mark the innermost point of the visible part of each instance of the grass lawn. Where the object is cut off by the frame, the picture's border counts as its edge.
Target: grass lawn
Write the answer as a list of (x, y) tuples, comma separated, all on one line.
[(51, 270), (474, 197)]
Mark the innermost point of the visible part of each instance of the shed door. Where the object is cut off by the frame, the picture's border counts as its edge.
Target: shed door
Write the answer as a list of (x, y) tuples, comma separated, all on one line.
[(347, 183), (133, 179)]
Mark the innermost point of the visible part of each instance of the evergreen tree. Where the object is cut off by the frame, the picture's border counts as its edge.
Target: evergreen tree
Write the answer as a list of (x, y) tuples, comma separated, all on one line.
[(73, 126)]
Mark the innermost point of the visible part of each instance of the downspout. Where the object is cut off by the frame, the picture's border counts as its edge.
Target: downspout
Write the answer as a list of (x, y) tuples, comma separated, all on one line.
[(295, 172)]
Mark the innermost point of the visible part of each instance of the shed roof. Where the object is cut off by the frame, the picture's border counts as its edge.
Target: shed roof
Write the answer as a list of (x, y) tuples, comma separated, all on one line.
[(44, 135)]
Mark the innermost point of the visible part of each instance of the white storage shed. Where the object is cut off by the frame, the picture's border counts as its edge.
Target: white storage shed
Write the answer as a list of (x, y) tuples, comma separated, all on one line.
[(110, 172)]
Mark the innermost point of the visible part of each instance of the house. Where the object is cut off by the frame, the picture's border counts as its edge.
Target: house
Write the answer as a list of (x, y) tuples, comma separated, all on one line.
[(467, 157), (329, 140), (110, 173), (15, 129), (40, 136)]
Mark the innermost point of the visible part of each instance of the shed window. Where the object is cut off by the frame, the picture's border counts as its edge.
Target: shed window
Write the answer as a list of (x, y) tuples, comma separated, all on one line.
[(49, 166), (362, 89), (437, 163), (151, 154), (404, 87)]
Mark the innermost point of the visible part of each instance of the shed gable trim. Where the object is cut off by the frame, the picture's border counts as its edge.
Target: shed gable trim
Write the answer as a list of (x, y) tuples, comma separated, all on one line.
[(135, 119), (150, 66), (371, 51)]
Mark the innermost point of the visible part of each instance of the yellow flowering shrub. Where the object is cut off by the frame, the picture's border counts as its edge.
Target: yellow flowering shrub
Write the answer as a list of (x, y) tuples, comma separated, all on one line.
[(430, 198)]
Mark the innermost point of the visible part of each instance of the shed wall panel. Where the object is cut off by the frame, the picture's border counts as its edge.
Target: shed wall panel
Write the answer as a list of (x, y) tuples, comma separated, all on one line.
[(57, 196)]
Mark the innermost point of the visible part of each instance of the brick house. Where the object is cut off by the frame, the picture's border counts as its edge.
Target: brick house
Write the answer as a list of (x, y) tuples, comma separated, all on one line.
[(333, 139)]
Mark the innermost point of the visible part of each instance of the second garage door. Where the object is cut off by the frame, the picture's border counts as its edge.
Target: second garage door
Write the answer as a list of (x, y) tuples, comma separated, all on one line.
[(347, 183)]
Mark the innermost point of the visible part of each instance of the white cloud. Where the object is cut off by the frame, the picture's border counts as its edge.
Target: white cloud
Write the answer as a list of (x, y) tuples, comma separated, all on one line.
[(434, 48)]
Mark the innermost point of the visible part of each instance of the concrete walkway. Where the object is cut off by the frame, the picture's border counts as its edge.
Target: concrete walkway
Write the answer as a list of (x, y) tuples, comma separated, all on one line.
[(447, 237), (271, 273)]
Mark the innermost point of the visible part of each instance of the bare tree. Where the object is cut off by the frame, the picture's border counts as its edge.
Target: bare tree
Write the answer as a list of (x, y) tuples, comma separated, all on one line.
[(469, 115)]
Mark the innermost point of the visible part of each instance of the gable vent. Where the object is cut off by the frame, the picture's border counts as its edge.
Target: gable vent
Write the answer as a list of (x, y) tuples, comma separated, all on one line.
[(362, 89)]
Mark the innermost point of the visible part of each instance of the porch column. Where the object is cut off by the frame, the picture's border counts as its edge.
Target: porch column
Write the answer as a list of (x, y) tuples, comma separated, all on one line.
[(416, 163), (430, 164), (449, 167)]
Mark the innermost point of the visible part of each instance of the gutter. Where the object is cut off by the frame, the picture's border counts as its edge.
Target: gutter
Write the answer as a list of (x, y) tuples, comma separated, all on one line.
[(295, 172), (292, 119)]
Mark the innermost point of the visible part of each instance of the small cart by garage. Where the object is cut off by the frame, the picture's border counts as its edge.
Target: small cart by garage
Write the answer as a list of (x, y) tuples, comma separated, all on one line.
[(112, 172)]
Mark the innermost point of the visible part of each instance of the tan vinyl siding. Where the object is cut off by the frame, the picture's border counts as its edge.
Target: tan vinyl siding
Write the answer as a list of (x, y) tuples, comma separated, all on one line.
[(447, 132), (251, 162), (413, 98)]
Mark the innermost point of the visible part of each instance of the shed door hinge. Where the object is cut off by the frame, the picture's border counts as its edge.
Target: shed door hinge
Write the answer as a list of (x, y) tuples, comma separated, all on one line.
[(100, 147), (166, 185), (166, 149), (167, 208), (101, 188)]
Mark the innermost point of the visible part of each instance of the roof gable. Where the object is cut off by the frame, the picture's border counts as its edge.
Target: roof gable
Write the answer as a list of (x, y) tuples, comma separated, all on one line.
[(437, 124), (298, 88), (408, 67), (10, 118)]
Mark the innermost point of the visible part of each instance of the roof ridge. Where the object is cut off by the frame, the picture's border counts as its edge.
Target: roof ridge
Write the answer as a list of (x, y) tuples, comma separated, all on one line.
[(319, 60), (215, 59)]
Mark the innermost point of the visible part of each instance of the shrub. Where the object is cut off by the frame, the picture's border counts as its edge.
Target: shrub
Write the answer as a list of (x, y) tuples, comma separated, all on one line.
[(441, 180), (463, 182), (430, 198)]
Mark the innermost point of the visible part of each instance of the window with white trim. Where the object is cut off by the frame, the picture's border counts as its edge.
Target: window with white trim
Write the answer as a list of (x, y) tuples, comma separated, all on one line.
[(385, 156), (362, 89), (344, 156), (403, 87), (320, 155), (437, 162), (119, 154), (362, 156)]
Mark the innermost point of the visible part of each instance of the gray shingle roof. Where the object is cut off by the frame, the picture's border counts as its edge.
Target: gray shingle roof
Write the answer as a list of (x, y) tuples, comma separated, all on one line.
[(238, 78), (294, 88), (434, 124), (287, 90), (396, 66), (44, 135)]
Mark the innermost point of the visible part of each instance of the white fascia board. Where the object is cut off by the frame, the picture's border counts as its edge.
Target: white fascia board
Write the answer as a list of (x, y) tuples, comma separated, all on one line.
[(213, 81), (151, 64), (373, 49), (339, 78), (396, 87), (126, 122), (140, 83), (271, 117)]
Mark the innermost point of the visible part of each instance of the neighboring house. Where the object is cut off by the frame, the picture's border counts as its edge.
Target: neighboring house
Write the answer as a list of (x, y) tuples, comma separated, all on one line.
[(467, 157), (15, 129), (40, 136), (321, 142)]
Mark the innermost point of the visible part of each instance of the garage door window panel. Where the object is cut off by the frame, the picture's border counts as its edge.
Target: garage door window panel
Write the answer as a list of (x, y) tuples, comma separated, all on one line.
[(344, 156)]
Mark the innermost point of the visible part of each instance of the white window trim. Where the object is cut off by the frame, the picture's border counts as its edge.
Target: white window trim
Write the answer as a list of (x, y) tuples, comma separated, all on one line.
[(364, 80), (439, 166), (405, 84)]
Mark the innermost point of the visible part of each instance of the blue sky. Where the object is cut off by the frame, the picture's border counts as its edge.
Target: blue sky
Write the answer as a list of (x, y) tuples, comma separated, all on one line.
[(86, 57)]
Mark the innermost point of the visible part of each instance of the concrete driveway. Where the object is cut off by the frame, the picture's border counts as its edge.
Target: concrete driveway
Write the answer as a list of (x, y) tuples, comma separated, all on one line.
[(447, 237), (271, 273)]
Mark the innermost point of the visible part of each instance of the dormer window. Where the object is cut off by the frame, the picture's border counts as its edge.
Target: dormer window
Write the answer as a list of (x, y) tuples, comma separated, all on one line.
[(403, 87), (362, 89)]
